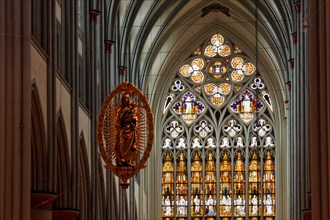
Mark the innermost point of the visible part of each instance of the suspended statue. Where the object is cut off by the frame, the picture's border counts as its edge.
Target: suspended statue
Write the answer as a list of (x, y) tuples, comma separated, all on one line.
[(126, 141), (124, 118)]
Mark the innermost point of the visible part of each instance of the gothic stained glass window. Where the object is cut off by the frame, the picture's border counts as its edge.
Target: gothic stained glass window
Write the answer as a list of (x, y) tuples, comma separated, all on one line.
[(218, 142)]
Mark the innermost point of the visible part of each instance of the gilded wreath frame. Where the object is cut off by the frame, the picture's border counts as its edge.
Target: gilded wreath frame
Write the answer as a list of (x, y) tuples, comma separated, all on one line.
[(124, 172)]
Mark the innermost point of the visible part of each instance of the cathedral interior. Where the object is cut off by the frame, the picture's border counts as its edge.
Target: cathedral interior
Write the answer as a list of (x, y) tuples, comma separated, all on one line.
[(239, 91)]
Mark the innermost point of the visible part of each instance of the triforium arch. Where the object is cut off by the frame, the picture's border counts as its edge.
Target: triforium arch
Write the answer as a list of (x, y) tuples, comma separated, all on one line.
[(38, 144), (219, 137), (84, 179), (63, 165)]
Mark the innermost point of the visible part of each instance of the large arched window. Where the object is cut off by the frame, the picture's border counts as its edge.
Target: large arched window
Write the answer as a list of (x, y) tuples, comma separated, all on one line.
[(218, 144)]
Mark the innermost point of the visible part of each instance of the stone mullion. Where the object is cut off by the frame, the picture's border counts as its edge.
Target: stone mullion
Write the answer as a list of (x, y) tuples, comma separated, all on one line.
[(217, 165), (247, 179), (92, 106), (188, 164), (75, 147), (51, 96), (319, 113)]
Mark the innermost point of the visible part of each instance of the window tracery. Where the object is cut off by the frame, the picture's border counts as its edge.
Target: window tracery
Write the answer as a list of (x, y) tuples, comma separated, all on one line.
[(218, 142)]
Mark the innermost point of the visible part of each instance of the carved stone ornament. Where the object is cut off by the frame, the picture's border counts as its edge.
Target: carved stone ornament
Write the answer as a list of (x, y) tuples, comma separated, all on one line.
[(125, 131)]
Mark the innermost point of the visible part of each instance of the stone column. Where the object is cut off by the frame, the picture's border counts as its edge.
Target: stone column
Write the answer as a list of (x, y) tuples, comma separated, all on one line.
[(15, 109), (319, 88), (68, 214), (41, 206)]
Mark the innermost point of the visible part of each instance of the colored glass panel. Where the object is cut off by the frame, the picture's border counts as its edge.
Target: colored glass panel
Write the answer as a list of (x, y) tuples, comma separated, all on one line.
[(220, 138)]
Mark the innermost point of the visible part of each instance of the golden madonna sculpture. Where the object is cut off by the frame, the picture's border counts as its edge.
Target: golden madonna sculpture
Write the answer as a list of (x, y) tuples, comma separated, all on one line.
[(125, 131)]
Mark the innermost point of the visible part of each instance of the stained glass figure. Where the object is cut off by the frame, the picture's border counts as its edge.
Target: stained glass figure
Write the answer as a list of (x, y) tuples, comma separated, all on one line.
[(188, 108), (239, 185), (196, 184), (167, 185), (246, 106), (254, 184), (181, 185), (269, 184), (210, 184), (225, 184)]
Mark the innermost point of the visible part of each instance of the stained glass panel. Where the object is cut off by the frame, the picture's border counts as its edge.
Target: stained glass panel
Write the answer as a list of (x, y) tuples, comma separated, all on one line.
[(210, 184), (217, 40), (188, 108), (197, 64), (254, 184), (225, 184), (197, 76), (269, 185), (181, 185), (168, 185), (186, 70), (218, 141), (239, 185), (224, 50), (237, 75), (218, 69), (210, 51), (197, 185)]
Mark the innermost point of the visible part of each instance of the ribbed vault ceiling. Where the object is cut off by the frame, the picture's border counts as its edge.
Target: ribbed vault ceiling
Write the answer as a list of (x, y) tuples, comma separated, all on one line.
[(154, 37)]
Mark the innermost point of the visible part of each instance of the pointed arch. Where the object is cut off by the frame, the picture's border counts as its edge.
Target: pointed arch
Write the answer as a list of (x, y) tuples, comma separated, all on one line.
[(84, 179), (38, 144), (63, 164), (101, 190), (216, 111)]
